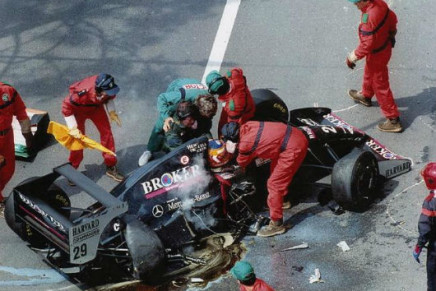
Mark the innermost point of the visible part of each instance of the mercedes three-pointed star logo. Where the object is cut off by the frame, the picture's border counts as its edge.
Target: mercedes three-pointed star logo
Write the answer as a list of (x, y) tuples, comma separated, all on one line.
[(157, 210)]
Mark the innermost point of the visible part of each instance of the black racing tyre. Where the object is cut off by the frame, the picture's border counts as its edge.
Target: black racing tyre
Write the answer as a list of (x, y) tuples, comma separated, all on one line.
[(354, 180), (58, 199), (16, 226), (22, 229), (269, 106), (146, 250), (54, 196)]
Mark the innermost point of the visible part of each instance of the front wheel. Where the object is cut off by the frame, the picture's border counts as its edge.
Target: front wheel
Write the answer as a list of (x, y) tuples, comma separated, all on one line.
[(146, 250), (354, 180)]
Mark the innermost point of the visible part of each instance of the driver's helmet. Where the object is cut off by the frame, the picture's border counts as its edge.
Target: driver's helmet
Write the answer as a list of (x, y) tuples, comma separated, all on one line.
[(429, 175), (218, 155)]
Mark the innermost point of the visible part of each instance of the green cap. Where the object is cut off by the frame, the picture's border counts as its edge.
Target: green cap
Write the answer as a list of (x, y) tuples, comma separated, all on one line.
[(354, 1), (212, 83), (242, 271)]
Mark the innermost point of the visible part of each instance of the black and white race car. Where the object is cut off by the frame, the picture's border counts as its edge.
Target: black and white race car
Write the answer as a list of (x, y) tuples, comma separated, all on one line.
[(150, 225)]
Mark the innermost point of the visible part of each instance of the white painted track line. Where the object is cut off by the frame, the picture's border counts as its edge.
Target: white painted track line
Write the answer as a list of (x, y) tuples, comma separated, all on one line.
[(222, 37)]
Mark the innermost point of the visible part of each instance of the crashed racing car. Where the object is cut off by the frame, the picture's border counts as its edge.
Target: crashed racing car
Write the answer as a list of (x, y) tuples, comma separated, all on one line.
[(151, 224)]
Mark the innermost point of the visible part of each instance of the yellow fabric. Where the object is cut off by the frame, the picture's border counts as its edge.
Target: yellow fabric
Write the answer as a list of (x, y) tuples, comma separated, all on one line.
[(61, 134)]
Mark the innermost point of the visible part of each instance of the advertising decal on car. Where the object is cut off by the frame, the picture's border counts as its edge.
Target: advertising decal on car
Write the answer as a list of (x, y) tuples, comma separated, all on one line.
[(197, 147), (382, 150), (169, 181), (84, 237), (157, 210), (184, 160), (308, 121), (86, 230), (308, 131), (334, 129), (398, 169), (40, 211), (176, 203), (336, 121)]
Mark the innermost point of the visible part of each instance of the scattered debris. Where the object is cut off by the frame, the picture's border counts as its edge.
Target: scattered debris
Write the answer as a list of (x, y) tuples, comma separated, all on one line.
[(298, 268), (302, 246), (197, 280), (397, 223), (316, 278), (343, 245), (179, 282)]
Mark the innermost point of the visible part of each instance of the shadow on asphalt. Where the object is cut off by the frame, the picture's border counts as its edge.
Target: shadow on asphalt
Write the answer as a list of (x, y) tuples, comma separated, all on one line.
[(412, 107)]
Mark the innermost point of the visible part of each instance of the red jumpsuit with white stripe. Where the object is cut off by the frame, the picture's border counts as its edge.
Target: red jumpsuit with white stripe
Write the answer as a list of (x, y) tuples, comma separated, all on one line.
[(239, 106), (83, 103), (10, 104), (378, 24), (284, 145)]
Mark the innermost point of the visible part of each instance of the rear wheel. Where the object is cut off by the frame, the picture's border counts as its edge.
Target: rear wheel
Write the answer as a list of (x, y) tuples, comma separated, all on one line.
[(58, 199), (10, 218), (54, 196), (354, 180), (21, 228), (269, 106)]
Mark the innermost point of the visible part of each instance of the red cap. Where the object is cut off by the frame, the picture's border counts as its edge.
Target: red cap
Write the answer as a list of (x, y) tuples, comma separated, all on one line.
[(429, 175)]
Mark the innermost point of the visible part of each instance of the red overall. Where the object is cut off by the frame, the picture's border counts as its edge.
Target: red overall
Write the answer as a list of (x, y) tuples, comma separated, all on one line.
[(239, 106), (83, 103), (378, 25), (259, 285), (284, 145), (10, 104)]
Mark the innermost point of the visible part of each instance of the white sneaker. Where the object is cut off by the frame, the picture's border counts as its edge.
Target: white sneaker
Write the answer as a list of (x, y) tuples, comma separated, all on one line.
[(144, 158)]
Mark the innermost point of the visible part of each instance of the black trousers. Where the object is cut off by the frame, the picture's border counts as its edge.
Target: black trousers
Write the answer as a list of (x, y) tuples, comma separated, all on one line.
[(431, 266)]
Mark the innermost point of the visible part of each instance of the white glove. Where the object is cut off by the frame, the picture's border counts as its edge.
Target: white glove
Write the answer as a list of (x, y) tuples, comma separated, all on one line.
[(75, 132)]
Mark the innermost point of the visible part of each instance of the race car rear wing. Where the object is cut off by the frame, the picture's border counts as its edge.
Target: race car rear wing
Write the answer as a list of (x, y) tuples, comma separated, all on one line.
[(87, 185), (83, 232), (84, 237)]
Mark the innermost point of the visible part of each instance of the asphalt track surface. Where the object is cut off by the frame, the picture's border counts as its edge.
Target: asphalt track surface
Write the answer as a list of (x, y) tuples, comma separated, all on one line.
[(295, 48)]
